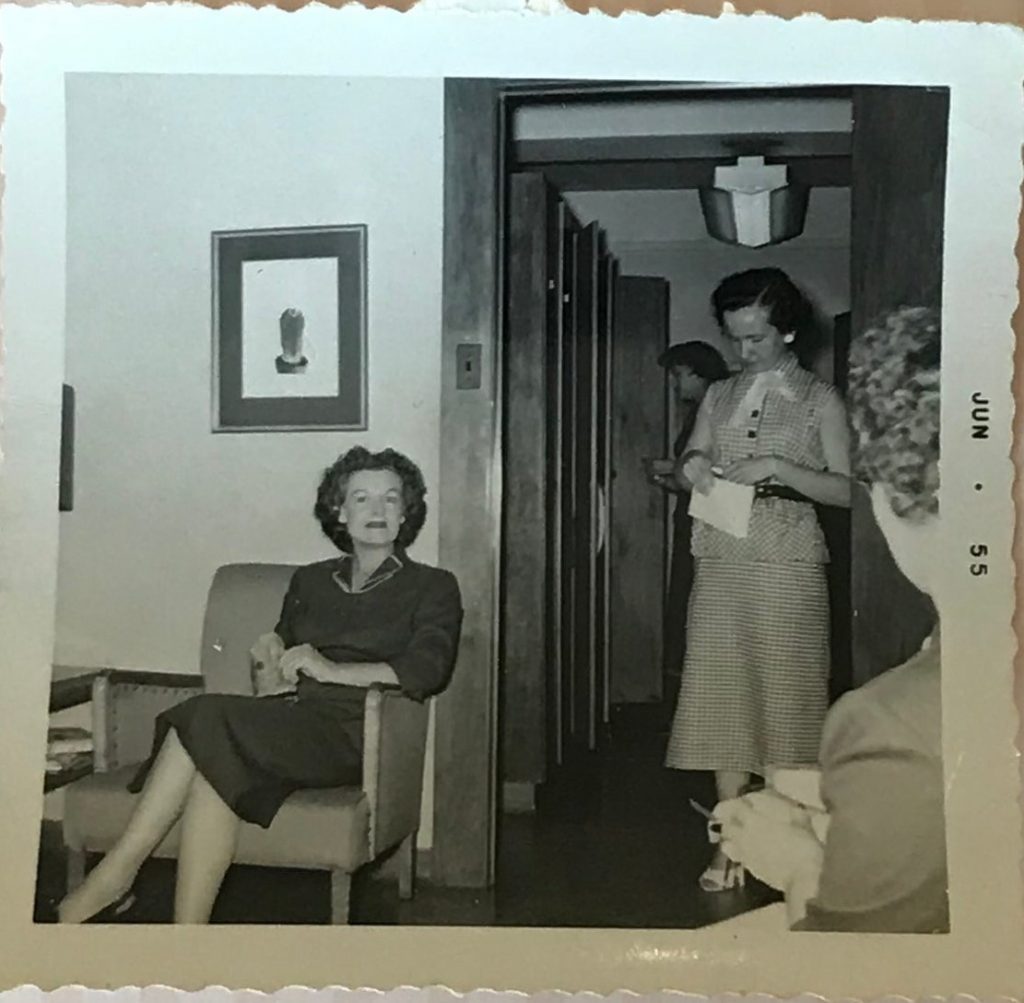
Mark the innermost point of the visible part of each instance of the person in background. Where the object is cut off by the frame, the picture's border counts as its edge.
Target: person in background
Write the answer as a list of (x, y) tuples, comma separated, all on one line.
[(754, 689), (880, 863), (692, 366)]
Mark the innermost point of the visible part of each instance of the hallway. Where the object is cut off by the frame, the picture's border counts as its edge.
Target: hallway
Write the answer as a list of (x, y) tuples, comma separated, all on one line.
[(616, 844)]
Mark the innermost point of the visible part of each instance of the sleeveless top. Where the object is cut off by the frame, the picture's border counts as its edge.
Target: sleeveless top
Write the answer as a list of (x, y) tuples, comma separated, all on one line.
[(777, 413)]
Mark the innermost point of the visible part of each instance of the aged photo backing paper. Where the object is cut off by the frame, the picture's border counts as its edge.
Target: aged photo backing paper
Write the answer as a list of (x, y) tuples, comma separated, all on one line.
[(982, 66)]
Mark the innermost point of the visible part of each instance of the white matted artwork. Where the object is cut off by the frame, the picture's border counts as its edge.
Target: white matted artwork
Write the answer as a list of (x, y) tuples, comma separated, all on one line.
[(529, 183), (289, 328)]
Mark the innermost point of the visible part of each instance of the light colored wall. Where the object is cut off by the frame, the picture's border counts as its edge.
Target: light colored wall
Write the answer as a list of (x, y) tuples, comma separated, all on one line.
[(154, 165), (663, 234), (710, 118)]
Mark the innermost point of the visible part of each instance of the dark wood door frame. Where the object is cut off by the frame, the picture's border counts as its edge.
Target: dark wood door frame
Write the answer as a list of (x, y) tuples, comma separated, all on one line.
[(469, 492), (900, 139), (469, 488)]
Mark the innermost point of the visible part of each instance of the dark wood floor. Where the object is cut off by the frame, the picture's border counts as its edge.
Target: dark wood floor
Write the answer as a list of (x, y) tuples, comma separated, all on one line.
[(613, 843)]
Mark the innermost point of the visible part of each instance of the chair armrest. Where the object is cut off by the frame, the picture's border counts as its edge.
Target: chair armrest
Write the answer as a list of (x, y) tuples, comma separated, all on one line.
[(394, 750), (125, 704)]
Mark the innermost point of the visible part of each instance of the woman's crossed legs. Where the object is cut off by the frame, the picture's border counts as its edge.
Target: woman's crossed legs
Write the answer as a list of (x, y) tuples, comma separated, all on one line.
[(173, 790)]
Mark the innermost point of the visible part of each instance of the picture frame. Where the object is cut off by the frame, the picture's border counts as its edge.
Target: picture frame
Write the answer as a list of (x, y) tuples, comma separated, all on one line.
[(289, 329), (66, 481)]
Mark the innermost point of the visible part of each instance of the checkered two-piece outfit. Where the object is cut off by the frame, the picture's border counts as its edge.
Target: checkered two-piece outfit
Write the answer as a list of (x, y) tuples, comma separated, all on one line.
[(755, 675)]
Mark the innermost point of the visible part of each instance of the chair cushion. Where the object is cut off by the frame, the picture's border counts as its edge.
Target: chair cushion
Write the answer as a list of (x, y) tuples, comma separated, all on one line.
[(323, 829)]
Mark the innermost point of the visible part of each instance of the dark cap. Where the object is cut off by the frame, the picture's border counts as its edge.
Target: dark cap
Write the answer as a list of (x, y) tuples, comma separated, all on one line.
[(704, 360)]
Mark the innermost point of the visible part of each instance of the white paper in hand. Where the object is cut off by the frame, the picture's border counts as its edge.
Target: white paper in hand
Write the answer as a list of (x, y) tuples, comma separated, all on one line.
[(804, 787), (726, 507)]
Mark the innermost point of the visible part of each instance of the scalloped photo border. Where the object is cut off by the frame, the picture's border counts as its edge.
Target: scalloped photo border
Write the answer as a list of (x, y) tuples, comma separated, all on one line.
[(983, 64)]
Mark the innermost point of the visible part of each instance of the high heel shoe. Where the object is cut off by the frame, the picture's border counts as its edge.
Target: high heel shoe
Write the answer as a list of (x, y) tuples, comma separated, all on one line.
[(109, 913), (722, 876), (116, 909)]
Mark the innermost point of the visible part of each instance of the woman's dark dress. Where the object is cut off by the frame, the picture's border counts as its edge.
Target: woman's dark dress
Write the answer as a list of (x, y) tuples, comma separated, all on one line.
[(255, 751)]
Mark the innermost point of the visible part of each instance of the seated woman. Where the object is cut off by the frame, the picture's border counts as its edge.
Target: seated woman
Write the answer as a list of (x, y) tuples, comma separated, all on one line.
[(371, 616), (880, 865)]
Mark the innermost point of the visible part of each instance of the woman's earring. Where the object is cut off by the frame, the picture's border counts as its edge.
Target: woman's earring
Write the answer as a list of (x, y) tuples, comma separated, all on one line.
[(789, 338)]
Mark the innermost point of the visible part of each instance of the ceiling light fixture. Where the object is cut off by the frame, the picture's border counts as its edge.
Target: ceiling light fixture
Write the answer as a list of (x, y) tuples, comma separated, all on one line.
[(754, 204)]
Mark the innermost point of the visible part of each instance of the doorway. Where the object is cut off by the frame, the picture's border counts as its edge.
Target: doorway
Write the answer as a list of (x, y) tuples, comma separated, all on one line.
[(607, 261), (541, 615)]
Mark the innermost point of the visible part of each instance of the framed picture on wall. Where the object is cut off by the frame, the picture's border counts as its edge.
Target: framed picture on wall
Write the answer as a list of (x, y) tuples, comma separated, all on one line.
[(66, 483), (289, 329)]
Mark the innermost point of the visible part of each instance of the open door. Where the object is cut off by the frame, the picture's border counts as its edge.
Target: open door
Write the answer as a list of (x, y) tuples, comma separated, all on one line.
[(528, 638), (587, 435), (638, 535), (554, 596), (898, 195), (608, 279)]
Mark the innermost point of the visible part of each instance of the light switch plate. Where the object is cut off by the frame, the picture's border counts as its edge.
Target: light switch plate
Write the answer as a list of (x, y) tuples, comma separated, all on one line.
[(468, 364)]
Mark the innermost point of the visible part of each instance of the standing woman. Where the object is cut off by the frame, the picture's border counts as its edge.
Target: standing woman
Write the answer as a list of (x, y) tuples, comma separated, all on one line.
[(692, 367), (755, 677), (880, 865)]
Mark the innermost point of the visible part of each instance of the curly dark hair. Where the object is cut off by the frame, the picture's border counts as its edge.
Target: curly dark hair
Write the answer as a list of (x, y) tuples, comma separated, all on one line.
[(894, 408), (330, 495), (789, 309)]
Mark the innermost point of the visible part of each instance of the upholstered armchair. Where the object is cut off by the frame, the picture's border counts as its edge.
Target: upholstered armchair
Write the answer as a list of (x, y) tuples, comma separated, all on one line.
[(338, 830)]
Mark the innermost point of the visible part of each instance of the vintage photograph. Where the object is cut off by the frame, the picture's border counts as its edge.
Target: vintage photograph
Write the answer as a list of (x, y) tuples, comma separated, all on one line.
[(605, 482), (720, 397)]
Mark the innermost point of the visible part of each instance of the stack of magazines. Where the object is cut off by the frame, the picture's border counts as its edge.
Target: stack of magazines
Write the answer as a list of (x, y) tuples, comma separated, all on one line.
[(66, 748)]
